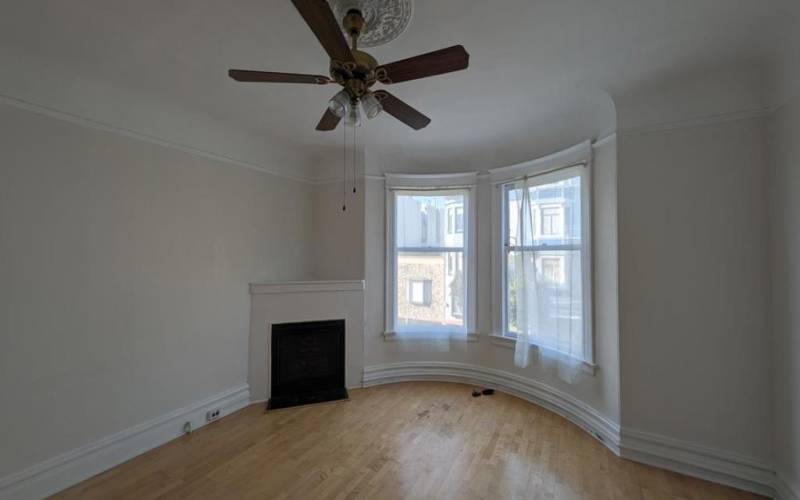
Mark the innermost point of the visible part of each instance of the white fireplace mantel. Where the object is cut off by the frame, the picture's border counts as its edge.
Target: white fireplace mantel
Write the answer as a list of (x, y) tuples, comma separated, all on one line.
[(306, 286), (295, 301)]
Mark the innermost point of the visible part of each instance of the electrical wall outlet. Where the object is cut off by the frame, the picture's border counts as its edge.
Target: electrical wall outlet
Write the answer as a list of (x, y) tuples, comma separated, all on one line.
[(212, 415)]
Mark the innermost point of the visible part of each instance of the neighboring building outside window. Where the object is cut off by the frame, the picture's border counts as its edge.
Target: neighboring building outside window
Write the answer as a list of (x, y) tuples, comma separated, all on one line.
[(455, 220), (419, 292), (552, 269), (424, 226), (459, 219), (552, 220)]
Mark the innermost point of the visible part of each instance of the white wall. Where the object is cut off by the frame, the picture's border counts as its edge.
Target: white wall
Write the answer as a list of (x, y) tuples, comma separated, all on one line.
[(784, 153), (600, 391), (338, 235), (694, 285), (123, 279)]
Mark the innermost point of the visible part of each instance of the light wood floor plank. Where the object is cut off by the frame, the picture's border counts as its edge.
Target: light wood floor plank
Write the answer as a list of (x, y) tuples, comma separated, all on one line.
[(413, 440)]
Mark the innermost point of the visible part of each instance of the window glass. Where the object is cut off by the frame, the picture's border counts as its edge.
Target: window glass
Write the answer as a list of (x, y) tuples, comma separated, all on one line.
[(543, 271), (429, 261)]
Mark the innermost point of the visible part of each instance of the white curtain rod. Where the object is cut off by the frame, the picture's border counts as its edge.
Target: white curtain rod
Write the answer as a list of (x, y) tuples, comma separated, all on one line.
[(538, 174)]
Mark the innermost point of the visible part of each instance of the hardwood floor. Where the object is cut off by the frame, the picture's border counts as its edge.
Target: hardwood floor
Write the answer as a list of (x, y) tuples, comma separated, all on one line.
[(409, 440)]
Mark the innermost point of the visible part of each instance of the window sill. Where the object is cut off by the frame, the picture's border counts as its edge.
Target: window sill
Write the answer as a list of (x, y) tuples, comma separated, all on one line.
[(510, 343), (428, 336)]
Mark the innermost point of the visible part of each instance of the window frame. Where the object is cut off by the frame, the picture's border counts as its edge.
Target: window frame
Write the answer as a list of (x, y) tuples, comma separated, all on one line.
[(544, 173), (422, 184)]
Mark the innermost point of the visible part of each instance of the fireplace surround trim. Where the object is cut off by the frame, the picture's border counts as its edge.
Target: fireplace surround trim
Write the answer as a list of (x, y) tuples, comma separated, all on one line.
[(298, 301), (306, 286)]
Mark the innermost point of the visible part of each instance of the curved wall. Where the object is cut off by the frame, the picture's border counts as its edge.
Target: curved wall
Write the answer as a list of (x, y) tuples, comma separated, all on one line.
[(487, 357), (681, 317)]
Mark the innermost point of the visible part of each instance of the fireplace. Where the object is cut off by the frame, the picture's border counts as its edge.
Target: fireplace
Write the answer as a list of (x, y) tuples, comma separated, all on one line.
[(307, 363)]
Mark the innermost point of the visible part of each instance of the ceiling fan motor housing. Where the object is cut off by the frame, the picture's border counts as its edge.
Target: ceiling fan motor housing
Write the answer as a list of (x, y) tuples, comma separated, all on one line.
[(356, 79)]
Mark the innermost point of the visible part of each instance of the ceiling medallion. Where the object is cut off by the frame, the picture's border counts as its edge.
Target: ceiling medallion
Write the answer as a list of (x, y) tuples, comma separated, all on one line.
[(384, 20)]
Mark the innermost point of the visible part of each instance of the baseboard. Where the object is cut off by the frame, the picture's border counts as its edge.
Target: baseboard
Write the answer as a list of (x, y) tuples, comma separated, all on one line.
[(584, 416), (714, 465), (69, 468), (711, 464), (783, 491)]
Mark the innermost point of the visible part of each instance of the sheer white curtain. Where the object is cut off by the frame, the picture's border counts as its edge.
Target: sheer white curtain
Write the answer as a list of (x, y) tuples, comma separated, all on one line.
[(544, 273)]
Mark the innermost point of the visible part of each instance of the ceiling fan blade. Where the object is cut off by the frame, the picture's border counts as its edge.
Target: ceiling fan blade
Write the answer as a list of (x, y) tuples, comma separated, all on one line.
[(433, 63), (328, 121), (401, 110), (243, 75), (319, 17)]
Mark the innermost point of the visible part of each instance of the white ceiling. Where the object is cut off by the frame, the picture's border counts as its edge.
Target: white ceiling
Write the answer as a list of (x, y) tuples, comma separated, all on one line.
[(540, 71)]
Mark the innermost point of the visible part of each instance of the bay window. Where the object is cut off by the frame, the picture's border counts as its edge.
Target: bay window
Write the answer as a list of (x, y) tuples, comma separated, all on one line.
[(543, 260)]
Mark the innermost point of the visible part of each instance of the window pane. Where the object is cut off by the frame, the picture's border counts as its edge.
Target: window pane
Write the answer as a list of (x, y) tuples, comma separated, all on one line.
[(553, 217), (430, 220), (544, 296), (550, 283), (430, 294)]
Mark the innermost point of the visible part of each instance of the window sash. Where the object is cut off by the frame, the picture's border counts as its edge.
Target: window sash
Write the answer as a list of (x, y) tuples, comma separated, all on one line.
[(430, 249), (583, 247), (466, 268), (542, 248)]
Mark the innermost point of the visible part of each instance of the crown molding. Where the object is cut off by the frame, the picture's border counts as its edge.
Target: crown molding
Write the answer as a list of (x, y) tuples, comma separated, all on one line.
[(744, 114), (596, 143), (781, 105), (606, 139), (141, 136)]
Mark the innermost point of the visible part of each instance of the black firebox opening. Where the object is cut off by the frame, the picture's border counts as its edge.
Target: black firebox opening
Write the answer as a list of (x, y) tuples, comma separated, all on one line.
[(307, 363)]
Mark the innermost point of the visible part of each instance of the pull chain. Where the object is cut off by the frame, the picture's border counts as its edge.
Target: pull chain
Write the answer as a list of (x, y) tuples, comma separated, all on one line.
[(354, 159), (344, 167)]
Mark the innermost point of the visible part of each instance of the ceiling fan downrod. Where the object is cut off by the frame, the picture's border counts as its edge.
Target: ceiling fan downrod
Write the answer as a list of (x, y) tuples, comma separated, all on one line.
[(353, 23)]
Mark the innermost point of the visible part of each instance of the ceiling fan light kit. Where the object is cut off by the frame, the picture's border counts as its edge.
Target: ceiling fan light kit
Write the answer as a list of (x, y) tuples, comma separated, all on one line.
[(339, 103), (371, 105), (353, 117)]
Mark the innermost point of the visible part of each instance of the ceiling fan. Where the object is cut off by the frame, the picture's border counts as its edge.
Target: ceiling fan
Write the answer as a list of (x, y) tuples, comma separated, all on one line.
[(357, 71)]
